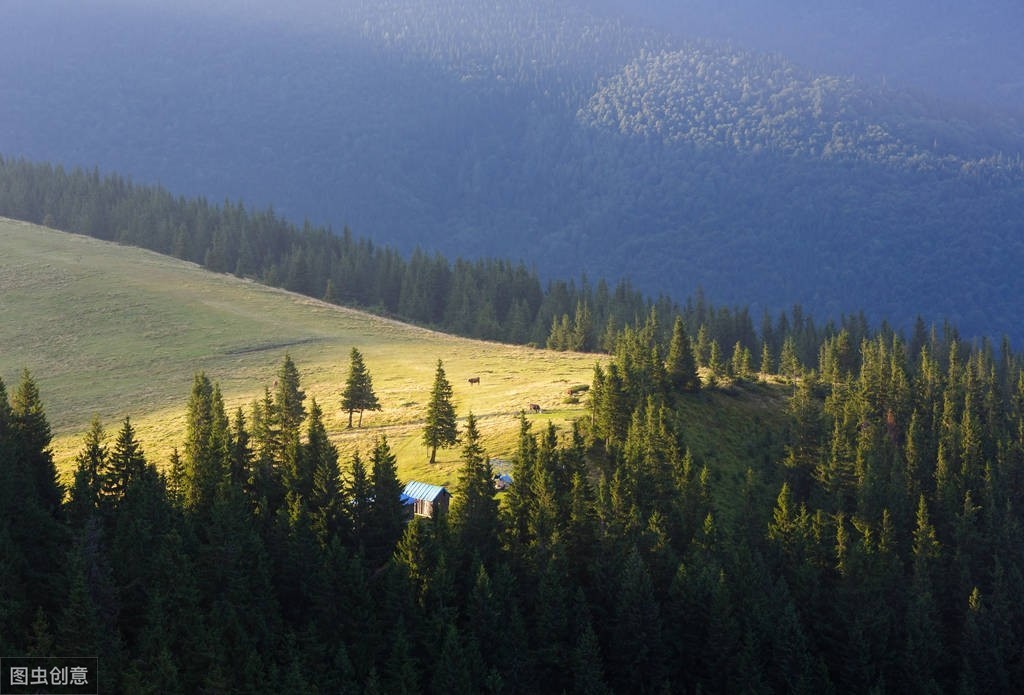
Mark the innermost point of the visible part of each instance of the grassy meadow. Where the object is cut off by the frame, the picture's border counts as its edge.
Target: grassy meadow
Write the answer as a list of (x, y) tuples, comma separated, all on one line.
[(110, 331)]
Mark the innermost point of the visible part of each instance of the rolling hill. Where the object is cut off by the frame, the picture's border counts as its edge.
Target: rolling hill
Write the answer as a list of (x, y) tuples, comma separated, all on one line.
[(110, 330)]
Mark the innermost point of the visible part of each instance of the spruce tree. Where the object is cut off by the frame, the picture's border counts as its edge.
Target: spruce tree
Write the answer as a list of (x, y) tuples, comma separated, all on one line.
[(765, 364), (207, 445), (440, 429), (240, 461), (321, 458), (31, 437), (288, 398), (90, 467), (358, 492), (127, 462), (358, 393), (681, 367), (475, 512), (387, 513)]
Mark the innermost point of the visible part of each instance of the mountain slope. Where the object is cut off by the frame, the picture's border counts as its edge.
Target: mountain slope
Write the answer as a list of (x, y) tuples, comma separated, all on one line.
[(536, 130), (114, 331)]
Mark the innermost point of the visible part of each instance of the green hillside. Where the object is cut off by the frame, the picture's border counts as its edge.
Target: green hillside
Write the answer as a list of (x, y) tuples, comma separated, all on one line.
[(111, 330)]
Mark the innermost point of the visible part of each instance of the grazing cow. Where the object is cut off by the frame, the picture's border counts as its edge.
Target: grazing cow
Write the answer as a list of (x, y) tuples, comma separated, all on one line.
[(534, 408), (474, 380)]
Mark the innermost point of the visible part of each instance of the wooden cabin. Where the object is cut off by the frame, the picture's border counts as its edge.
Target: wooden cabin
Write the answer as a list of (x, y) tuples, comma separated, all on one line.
[(423, 499)]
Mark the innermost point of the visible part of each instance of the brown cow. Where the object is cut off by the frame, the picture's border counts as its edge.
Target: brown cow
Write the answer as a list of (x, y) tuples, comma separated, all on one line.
[(474, 380), (534, 408)]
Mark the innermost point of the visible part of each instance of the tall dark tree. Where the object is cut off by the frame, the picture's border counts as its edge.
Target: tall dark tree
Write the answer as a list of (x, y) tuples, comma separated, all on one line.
[(387, 513), (90, 467), (205, 462), (440, 430), (474, 514), (126, 464), (241, 460), (288, 399), (358, 492), (31, 437), (681, 367), (358, 393), (321, 457)]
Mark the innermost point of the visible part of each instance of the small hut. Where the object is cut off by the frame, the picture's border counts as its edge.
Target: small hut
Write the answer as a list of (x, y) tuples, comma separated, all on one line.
[(423, 499)]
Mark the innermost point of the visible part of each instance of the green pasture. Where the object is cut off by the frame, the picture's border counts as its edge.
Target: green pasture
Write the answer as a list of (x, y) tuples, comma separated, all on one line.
[(111, 331)]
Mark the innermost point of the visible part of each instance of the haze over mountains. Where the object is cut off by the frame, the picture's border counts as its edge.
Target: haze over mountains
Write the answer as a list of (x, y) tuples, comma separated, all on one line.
[(616, 142)]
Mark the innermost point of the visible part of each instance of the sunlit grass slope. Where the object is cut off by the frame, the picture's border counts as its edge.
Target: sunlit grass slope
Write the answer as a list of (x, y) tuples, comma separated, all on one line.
[(111, 331)]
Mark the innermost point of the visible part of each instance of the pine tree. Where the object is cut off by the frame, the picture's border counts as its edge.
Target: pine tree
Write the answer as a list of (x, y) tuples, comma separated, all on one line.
[(681, 367), (205, 462), (387, 513), (766, 364), (636, 647), (90, 468), (358, 393), (31, 436), (320, 462), (789, 363), (358, 492), (240, 462), (580, 339), (739, 363), (288, 398), (127, 462), (440, 429), (475, 510), (715, 364)]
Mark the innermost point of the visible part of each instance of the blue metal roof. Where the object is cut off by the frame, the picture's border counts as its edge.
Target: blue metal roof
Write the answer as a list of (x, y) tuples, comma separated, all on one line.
[(422, 491)]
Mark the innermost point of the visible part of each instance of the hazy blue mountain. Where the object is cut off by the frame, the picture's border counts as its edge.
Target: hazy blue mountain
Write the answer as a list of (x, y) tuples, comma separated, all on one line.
[(609, 142)]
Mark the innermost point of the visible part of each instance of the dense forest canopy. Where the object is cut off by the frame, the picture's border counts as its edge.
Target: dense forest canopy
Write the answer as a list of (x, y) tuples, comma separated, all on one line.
[(965, 52), (574, 140), (866, 537)]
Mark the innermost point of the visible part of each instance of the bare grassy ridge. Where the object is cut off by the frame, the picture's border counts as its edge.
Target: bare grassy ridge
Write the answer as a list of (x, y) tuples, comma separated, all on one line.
[(111, 331)]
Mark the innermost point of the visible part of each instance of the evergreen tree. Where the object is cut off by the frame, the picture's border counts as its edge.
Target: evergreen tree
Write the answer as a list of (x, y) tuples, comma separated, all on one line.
[(205, 461), (681, 367), (358, 393), (127, 462), (636, 648), (320, 462), (387, 513), (241, 459), (739, 363), (32, 539), (766, 366), (90, 468), (288, 398), (31, 435), (440, 429), (715, 364), (474, 515), (358, 493), (789, 362)]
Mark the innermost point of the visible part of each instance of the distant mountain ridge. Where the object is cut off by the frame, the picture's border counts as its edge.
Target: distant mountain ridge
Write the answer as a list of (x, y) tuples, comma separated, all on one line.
[(537, 130), (709, 95)]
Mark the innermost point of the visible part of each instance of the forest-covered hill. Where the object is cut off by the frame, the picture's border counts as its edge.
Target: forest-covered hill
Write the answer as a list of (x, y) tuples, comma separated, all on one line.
[(577, 141), (686, 535)]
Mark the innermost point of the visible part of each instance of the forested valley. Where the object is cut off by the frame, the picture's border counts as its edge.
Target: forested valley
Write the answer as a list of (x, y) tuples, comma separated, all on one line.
[(574, 139)]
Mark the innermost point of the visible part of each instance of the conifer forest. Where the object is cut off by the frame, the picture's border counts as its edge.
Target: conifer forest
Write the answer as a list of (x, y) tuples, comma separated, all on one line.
[(787, 237), (873, 541)]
